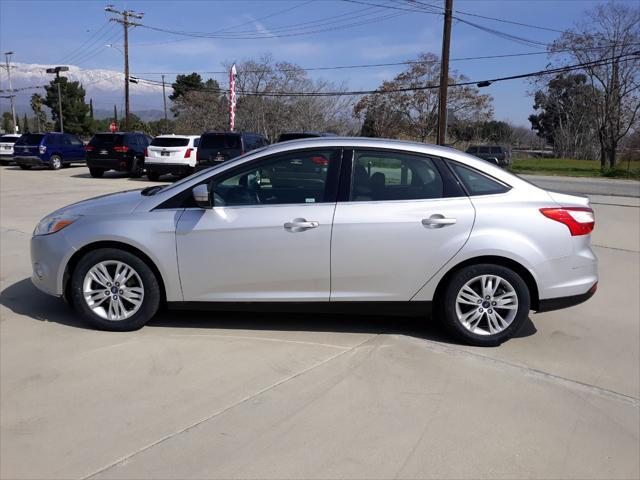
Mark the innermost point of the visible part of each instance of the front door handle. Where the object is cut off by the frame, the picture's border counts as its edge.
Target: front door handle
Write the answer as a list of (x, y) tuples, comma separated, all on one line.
[(300, 225), (438, 221)]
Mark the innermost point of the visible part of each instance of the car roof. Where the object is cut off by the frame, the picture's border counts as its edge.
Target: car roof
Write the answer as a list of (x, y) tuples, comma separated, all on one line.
[(232, 133)]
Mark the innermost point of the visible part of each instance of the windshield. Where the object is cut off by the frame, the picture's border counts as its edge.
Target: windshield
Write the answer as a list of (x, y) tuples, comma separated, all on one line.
[(106, 139), (169, 142), (220, 140), (8, 139), (30, 139)]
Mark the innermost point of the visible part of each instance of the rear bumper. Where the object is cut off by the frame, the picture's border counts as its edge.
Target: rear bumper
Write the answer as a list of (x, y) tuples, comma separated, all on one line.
[(29, 160), (550, 304), (164, 168), (205, 165), (120, 164)]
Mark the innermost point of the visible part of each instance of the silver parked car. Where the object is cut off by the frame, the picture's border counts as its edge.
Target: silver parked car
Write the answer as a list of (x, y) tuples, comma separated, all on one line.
[(327, 224)]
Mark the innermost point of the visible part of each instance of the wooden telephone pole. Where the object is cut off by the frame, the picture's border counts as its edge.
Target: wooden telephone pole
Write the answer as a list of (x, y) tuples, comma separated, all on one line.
[(444, 74), (124, 20)]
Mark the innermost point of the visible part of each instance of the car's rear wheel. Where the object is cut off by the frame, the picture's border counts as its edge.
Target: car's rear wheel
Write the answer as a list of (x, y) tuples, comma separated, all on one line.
[(25, 167), (153, 176), (115, 290), (485, 304), (96, 172), (55, 162)]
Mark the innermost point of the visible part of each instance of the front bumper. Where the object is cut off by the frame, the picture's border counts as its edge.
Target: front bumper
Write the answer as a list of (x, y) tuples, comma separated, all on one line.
[(49, 257), (172, 168), (33, 161)]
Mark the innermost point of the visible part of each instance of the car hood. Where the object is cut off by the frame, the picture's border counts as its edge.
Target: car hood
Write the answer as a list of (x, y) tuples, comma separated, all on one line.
[(113, 203)]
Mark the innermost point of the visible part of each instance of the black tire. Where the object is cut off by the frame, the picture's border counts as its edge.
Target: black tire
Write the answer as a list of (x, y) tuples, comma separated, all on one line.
[(153, 176), (55, 162), (137, 168), (25, 167), (447, 304), (96, 172), (4, 162), (151, 298)]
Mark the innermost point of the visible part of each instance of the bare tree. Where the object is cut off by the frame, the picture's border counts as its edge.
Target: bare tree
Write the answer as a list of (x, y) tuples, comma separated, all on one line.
[(264, 107), (609, 38), (410, 101)]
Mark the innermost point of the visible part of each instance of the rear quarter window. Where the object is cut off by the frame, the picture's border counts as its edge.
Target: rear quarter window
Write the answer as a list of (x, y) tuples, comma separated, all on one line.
[(477, 183), (30, 139)]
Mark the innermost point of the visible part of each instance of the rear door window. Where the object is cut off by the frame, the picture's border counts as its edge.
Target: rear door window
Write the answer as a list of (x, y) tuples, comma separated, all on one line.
[(484, 150), (496, 149), (385, 176)]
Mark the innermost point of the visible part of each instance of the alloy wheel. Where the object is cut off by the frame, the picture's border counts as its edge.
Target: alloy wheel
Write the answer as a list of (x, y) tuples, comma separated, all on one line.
[(113, 290), (486, 305)]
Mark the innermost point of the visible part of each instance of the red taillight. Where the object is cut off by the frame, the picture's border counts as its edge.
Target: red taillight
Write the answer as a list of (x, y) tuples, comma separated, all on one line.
[(121, 148), (146, 152), (320, 161), (88, 148), (187, 154), (579, 220)]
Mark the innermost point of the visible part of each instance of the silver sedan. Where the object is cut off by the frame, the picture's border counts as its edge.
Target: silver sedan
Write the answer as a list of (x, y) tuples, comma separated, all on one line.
[(337, 224)]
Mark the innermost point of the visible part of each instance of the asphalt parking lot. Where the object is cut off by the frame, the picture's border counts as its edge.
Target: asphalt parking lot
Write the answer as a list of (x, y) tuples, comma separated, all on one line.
[(310, 396)]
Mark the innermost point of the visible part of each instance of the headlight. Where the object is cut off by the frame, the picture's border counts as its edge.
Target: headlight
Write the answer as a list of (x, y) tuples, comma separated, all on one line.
[(54, 223)]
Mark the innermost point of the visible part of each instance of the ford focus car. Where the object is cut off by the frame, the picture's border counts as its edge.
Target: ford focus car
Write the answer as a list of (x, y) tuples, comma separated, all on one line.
[(335, 224)]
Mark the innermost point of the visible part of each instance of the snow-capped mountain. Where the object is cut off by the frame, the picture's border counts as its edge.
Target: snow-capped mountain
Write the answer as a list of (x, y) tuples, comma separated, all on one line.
[(104, 87)]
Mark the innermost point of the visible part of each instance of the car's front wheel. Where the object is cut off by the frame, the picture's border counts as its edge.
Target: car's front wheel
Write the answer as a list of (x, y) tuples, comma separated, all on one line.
[(115, 290), (485, 304)]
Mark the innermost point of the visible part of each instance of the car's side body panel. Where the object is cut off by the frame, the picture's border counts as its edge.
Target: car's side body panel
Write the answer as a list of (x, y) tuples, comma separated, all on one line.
[(383, 251), (246, 254)]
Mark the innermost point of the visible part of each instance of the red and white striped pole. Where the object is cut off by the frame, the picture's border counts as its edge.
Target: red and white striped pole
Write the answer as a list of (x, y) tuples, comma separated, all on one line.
[(232, 98)]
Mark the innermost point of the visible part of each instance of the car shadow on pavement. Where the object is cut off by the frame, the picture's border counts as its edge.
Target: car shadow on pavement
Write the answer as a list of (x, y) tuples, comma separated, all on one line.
[(24, 299)]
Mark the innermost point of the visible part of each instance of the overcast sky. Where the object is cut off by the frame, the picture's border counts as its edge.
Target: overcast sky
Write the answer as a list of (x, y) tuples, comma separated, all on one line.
[(53, 32)]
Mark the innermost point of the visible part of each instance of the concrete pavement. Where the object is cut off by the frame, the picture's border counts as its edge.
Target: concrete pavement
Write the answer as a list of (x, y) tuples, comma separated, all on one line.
[(312, 396)]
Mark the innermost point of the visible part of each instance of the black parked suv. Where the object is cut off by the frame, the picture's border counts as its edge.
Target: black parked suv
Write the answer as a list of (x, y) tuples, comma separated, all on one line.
[(496, 154), (121, 151), (285, 137), (217, 147)]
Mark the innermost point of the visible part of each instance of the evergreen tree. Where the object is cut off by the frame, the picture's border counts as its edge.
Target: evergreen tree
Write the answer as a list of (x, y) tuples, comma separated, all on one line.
[(74, 110), (25, 125), (91, 108)]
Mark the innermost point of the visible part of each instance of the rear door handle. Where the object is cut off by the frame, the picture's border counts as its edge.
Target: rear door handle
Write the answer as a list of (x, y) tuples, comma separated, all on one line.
[(438, 221), (300, 225)]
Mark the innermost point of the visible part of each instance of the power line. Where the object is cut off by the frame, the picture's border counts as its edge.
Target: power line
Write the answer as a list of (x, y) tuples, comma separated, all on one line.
[(539, 73), (78, 48), (391, 64)]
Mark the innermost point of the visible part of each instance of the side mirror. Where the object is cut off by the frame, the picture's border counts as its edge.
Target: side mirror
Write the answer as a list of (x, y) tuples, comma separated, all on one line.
[(201, 196)]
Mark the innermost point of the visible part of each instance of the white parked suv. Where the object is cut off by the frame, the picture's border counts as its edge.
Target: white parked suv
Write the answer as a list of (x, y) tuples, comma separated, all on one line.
[(6, 147), (175, 154)]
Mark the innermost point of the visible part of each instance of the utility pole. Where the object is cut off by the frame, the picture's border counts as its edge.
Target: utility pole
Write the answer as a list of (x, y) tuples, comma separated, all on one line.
[(13, 108), (444, 73), (57, 71), (164, 99), (125, 15)]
